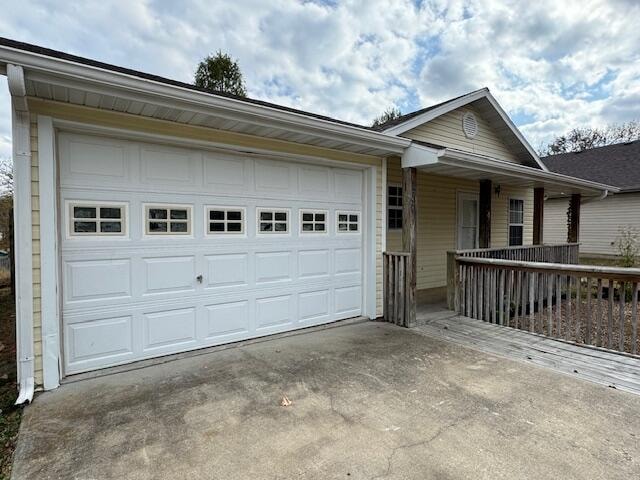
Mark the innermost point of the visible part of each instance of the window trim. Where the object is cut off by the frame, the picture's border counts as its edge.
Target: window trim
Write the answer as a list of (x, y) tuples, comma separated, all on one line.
[(167, 206), (314, 212), (393, 207), (225, 208), (348, 212), (70, 219), (259, 210), (509, 224)]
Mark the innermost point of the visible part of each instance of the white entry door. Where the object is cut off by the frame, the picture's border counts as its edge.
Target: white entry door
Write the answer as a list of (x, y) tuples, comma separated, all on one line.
[(169, 249), (467, 220)]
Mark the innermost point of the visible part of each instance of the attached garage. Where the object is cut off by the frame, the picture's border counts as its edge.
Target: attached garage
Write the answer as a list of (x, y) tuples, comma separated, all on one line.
[(165, 249)]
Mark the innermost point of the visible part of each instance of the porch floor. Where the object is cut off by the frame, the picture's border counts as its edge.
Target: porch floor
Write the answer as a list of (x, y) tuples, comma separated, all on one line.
[(595, 365)]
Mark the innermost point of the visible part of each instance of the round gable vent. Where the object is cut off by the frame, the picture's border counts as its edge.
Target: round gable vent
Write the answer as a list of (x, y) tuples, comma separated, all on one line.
[(469, 125)]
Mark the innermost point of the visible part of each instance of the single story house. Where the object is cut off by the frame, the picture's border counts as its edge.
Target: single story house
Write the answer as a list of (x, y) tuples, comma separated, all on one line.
[(154, 218), (601, 222)]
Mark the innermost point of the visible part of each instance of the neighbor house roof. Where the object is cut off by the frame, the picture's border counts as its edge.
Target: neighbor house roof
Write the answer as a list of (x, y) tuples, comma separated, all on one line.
[(617, 165)]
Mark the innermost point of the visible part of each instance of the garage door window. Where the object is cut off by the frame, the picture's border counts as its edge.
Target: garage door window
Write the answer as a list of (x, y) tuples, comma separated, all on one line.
[(223, 220), (168, 220), (313, 221), (348, 222), (96, 219), (273, 221)]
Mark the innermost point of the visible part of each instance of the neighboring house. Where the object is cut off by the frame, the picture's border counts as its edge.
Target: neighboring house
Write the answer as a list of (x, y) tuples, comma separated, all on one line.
[(600, 222), (154, 218)]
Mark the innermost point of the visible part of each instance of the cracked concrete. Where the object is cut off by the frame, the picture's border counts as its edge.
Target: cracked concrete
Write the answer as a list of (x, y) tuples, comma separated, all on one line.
[(370, 401)]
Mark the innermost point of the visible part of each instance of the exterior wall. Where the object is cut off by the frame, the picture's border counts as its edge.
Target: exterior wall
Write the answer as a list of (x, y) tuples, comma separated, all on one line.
[(123, 122), (437, 220), (600, 222), (446, 130)]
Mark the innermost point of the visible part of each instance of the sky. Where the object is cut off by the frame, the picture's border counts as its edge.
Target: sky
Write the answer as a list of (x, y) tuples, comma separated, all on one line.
[(553, 65)]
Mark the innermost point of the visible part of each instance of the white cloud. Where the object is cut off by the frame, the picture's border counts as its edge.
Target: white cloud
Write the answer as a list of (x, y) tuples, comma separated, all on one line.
[(553, 65)]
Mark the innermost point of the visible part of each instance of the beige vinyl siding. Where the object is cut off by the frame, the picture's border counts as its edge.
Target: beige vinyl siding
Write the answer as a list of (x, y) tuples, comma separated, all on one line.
[(437, 220), (134, 123), (35, 228), (600, 222), (446, 130)]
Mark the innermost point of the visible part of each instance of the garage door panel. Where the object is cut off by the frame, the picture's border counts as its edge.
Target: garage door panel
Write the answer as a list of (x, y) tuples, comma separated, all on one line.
[(102, 340), (169, 329), (165, 275), (88, 280), (273, 267), (139, 297), (227, 270), (227, 319)]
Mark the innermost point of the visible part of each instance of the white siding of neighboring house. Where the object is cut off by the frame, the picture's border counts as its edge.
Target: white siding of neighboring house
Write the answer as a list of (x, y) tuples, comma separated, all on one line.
[(600, 222)]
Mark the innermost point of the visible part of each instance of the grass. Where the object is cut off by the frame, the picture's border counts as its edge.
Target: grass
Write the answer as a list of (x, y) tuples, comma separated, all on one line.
[(9, 414), (607, 262)]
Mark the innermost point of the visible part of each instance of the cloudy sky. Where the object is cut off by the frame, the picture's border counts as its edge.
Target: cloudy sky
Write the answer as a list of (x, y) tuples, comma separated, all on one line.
[(553, 65)]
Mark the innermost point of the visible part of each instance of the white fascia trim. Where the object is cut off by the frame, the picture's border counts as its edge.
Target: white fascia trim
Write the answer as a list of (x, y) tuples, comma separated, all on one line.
[(49, 270), (58, 70), (21, 138), (472, 161), (420, 156), (461, 102)]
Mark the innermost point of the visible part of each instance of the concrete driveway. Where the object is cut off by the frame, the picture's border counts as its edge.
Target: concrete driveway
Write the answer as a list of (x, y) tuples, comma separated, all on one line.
[(370, 400)]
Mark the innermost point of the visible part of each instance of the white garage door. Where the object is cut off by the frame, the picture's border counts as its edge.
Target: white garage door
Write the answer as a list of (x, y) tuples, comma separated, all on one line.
[(168, 249)]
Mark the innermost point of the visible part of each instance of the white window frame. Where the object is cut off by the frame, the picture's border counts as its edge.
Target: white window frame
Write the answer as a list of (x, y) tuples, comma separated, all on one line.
[(349, 231), (462, 195), (167, 206), (225, 209), (509, 224), (393, 207), (314, 212), (71, 219), (273, 210)]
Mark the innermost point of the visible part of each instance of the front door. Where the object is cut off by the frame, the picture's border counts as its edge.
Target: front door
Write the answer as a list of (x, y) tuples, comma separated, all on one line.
[(467, 220)]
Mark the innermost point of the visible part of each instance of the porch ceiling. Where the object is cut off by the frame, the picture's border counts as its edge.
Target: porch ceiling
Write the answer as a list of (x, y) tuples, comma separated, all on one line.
[(455, 163)]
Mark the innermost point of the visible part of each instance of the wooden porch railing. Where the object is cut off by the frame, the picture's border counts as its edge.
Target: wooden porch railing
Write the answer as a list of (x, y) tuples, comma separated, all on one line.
[(593, 305), (395, 287)]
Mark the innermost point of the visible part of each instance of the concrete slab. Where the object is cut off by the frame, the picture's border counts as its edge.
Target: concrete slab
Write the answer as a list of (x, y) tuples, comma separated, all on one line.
[(370, 400)]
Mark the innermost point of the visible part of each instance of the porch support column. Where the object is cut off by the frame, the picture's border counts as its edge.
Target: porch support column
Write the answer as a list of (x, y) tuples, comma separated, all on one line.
[(538, 216), (409, 237), (573, 219), (484, 228)]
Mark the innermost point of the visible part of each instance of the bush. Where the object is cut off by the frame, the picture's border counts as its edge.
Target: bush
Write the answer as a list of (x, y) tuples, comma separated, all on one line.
[(628, 246)]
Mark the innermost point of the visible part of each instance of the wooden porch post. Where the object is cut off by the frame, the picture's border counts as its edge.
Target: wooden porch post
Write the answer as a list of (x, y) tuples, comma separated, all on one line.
[(409, 236), (538, 216), (573, 219), (484, 229)]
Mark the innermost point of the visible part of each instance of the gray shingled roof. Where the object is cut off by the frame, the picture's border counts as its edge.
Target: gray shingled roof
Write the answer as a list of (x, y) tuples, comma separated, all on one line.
[(617, 165)]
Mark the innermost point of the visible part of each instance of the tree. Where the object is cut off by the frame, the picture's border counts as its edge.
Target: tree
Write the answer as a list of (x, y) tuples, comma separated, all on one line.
[(220, 73), (6, 202), (585, 138), (6, 177), (389, 114)]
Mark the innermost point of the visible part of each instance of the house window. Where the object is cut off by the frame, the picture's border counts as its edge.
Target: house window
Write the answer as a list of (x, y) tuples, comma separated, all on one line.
[(273, 221), (222, 220), (394, 207), (96, 219), (348, 222), (168, 220), (516, 221), (313, 221)]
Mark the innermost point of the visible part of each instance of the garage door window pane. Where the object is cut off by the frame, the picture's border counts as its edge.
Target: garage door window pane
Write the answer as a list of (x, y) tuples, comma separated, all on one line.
[(168, 220), (313, 221), (348, 222), (96, 220), (273, 221), (226, 220)]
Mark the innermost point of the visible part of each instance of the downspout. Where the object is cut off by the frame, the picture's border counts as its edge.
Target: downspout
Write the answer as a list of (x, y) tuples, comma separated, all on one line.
[(21, 139), (602, 196)]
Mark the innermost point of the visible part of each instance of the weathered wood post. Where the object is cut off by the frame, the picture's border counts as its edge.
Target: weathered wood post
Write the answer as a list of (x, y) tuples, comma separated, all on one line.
[(538, 216), (484, 228), (573, 219), (453, 280), (409, 236)]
